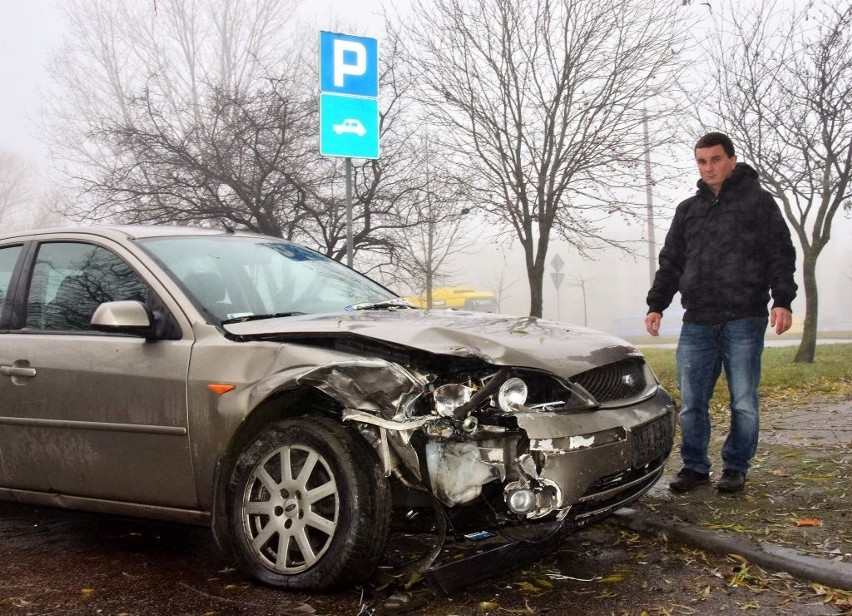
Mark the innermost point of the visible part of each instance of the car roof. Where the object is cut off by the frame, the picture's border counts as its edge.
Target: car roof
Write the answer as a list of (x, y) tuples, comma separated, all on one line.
[(120, 232)]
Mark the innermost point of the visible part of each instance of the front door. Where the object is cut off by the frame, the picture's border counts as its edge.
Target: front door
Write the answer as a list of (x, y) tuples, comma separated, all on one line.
[(89, 414)]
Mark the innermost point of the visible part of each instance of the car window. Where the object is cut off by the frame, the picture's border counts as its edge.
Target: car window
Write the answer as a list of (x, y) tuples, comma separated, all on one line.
[(8, 258), (71, 279)]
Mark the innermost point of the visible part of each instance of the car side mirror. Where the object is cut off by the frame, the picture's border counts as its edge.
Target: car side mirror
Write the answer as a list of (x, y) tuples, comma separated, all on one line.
[(125, 317)]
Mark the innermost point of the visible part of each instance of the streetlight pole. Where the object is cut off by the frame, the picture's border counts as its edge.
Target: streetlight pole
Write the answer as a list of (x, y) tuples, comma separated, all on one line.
[(649, 200), (581, 282)]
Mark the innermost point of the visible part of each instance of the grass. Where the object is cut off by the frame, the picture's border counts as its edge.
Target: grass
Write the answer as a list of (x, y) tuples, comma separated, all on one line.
[(782, 379)]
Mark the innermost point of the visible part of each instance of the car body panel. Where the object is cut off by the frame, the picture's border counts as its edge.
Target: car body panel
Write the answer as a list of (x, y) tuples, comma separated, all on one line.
[(98, 410), (499, 340)]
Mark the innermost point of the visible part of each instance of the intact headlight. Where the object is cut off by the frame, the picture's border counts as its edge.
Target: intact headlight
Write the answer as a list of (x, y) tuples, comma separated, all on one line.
[(512, 395)]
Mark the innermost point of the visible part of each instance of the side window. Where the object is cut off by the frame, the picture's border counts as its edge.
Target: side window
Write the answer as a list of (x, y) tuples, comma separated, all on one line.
[(70, 280), (8, 258)]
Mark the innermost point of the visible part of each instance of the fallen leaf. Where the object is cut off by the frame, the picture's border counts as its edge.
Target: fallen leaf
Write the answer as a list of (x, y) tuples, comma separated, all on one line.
[(779, 473), (808, 522), (613, 578), (415, 577)]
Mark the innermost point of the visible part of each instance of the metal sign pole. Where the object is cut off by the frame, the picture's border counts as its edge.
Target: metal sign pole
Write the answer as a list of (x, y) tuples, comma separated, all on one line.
[(349, 106), (350, 246)]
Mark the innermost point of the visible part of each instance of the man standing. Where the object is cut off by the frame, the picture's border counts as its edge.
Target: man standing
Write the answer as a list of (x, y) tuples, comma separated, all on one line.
[(727, 248)]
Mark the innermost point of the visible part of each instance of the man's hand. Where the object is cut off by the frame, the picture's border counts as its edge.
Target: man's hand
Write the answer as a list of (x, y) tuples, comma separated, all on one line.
[(652, 323), (779, 318)]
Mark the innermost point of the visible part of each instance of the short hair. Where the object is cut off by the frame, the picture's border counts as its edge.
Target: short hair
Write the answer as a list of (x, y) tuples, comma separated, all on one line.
[(711, 139)]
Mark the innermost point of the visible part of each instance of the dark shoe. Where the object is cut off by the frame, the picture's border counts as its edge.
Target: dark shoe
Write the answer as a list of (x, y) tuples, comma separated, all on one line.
[(731, 481), (687, 479)]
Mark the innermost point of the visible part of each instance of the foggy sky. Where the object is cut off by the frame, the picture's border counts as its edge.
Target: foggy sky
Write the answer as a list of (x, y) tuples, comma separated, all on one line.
[(615, 284)]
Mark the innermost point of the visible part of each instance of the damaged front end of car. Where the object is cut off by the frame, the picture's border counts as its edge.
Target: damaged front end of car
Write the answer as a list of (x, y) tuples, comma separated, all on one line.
[(500, 446), (518, 430)]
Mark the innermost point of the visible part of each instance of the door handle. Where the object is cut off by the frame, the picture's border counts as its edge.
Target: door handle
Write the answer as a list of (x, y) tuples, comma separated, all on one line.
[(17, 371)]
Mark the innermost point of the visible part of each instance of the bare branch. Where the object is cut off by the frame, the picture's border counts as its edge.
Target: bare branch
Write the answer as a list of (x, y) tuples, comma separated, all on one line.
[(540, 105)]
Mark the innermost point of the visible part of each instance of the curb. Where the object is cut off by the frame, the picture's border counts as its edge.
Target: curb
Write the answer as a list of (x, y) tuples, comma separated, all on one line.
[(834, 574)]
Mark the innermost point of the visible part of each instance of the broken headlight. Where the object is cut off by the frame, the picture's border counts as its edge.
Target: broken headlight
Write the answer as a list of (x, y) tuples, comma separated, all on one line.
[(451, 398)]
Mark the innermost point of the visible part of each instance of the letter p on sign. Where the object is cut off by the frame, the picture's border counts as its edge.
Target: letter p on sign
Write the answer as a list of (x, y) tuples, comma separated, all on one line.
[(348, 50), (349, 64)]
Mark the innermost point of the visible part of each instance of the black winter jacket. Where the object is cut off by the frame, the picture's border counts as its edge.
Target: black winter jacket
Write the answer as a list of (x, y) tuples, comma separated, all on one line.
[(724, 254)]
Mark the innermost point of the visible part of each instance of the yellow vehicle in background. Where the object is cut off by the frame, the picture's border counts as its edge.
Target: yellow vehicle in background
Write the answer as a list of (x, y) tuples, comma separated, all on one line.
[(460, 298)]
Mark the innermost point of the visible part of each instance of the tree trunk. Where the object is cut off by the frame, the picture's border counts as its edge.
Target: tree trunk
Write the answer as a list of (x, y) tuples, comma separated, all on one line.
[(535, 274), (807, 348)]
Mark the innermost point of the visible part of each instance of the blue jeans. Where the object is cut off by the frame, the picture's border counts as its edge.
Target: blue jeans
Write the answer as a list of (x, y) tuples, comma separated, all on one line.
[(702, 352)]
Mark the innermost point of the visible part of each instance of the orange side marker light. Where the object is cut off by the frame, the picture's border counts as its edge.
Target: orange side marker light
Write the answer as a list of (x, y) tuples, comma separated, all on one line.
[(220, 388)]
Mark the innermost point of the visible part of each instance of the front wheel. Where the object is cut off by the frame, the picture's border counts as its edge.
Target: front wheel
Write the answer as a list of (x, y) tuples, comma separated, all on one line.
[(308, 506)]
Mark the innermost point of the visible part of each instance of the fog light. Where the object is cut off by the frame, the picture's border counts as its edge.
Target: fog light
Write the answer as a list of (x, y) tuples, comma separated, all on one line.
[(512, 395), (521, 501)]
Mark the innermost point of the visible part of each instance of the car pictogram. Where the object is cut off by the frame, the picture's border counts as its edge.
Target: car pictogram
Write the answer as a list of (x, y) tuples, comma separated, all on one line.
[(350, 125)]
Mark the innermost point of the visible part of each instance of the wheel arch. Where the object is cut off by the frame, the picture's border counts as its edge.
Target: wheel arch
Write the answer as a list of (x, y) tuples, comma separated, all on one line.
[(295, 401), (323, 391)]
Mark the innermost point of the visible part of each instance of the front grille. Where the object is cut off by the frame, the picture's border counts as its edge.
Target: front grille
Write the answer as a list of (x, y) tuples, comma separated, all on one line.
[(621, 380)]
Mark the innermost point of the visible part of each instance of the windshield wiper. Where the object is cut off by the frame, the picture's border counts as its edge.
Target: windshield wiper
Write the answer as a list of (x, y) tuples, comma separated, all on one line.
[(396, 302), (259, 317)]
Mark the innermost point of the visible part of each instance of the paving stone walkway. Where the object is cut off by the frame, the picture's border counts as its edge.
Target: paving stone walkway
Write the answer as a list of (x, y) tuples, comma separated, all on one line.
[(823, 424)]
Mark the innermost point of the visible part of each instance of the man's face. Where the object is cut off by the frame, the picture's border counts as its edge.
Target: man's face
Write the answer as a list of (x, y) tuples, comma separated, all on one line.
[(714, 166)]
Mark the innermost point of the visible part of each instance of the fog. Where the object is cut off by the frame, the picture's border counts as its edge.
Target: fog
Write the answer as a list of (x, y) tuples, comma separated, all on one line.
[(606, 292), (615, 284)]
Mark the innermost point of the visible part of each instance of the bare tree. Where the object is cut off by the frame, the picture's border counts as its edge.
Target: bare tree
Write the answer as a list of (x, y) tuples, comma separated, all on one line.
[(239, 165), (160, 69), (783, 90), (540, 105), (15, 188), (180, 50), (439, 228), (213, 117), (27, 199), (500, 281)]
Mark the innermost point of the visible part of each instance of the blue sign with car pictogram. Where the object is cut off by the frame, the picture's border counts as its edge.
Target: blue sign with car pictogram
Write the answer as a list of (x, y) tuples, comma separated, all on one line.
[(349, 87)]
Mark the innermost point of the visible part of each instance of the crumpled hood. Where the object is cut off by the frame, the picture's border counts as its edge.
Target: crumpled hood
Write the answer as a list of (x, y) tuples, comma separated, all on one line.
[(497, 339)]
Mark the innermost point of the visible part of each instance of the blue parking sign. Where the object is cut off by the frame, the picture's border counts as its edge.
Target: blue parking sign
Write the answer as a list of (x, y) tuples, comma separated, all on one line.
[(349, 126), (349, 64), (349, 89)]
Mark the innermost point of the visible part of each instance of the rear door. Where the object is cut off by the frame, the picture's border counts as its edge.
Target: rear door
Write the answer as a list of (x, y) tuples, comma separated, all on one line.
[(85, 413)]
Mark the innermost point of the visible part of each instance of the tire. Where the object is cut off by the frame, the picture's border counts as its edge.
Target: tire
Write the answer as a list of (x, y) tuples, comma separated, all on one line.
[(322, 525)]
